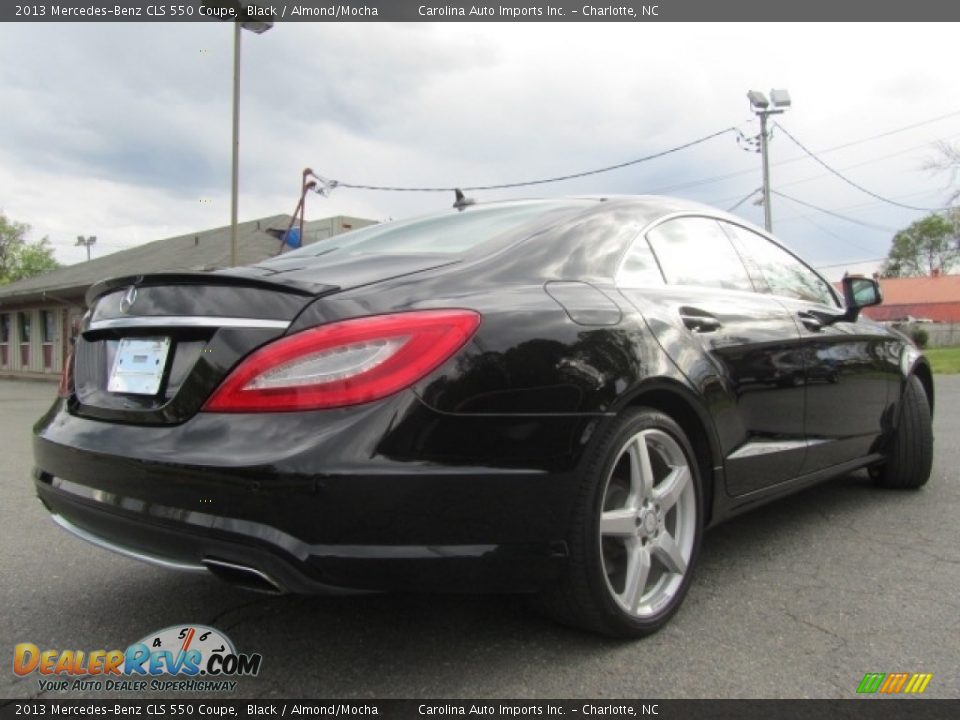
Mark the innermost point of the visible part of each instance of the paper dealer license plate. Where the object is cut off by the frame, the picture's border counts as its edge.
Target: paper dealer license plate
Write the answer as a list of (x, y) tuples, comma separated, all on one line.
[(138, 365)]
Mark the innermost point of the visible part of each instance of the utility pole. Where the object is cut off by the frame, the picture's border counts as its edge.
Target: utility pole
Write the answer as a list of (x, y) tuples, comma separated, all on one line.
[(761, 106)]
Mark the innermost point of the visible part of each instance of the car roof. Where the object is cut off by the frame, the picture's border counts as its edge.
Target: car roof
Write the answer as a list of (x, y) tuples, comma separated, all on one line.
[(599, 256), (649, 207)]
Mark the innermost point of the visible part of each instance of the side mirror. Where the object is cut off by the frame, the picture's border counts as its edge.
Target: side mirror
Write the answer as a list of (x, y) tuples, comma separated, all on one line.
[(858, 293)]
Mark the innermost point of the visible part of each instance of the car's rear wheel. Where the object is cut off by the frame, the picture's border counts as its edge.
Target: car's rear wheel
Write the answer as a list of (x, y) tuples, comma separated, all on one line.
[(636, 532), (910, 455)]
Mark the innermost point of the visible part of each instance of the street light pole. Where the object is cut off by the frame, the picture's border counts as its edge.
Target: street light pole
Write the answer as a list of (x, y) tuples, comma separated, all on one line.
[(761, 107), (765, 160), (256, 20), (235, 171), (87, 242)]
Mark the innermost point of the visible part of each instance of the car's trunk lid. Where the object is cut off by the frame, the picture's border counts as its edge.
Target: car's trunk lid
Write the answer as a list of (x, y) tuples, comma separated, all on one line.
[(187, 330)]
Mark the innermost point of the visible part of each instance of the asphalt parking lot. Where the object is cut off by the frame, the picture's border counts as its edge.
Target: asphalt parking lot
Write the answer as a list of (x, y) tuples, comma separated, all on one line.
[(798, 599)]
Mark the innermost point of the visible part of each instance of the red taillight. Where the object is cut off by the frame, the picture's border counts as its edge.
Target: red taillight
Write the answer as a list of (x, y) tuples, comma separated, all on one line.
[(344, 363), (66, 377)]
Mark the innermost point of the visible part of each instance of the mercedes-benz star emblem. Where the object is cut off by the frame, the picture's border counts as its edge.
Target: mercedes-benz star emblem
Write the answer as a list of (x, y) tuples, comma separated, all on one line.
[(128, 299)]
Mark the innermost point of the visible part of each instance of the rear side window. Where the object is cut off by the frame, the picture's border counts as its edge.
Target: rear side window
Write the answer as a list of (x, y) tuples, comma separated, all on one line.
[(639, 268), (784, 274), (696, 251)]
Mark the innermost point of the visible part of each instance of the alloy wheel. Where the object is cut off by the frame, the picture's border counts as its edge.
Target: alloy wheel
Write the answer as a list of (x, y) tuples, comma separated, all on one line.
[(647, 523)]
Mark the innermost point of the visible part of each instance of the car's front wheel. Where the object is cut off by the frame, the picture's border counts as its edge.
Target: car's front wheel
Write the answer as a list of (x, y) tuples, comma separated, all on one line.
[(636, 532)]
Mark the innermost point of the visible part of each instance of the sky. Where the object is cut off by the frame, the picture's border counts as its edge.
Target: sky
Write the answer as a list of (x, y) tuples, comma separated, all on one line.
[(122, 131)]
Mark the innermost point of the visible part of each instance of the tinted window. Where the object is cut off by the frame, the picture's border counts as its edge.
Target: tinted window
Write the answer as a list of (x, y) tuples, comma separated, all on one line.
[(696, 251), (783, 273), (449, 233), (639, 268)]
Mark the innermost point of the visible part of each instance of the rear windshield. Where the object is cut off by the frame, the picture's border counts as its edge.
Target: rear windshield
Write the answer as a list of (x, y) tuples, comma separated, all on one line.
[(453, 233)]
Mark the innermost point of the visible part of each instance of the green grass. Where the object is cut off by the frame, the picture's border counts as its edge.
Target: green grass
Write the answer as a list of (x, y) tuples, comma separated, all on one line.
[(944, 360)]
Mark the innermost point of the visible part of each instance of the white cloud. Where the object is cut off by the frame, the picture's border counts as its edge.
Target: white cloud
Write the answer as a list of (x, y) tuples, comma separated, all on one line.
[(122, 131)]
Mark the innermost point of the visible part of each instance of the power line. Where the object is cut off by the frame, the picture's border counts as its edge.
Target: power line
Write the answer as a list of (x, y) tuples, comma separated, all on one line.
[(893, 132), (843, 208), (788, 161), (743, 199), (835, 212), (331, 184), (849, 241), (808, 217), (832, 213), (868, 203), (851, 262), (872, 160), (849, 219), (707, 181), (823, 228), (847, 180)]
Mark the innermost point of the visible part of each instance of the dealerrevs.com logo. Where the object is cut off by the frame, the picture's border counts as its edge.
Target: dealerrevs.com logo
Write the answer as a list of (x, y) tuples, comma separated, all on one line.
[(200, 658)]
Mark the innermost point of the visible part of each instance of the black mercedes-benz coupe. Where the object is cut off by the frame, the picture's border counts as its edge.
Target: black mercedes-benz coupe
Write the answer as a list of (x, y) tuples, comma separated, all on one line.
[(551, 396)]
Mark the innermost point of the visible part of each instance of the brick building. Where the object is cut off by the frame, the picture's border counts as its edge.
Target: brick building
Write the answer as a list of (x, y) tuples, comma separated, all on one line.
[(934, 298)]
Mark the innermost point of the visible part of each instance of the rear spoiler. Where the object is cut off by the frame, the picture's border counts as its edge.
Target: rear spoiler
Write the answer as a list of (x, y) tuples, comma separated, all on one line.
[(293, 287)]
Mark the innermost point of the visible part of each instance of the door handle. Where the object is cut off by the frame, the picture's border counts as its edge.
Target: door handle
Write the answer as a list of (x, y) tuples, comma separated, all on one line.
[(699, 321), (810, 321)]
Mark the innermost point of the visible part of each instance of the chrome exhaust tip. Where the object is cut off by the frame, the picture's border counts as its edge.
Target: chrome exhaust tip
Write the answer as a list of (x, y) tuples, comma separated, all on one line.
[(243, 576)]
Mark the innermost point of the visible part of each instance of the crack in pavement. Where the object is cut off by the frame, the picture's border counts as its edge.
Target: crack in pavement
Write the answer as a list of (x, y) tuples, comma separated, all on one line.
[(809, 623)]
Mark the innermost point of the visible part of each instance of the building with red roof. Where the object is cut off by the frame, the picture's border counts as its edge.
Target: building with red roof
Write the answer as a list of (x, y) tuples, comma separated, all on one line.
[(934, 298)]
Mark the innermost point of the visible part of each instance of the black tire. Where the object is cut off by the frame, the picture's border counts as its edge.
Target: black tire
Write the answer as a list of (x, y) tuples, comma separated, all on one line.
[(910, 454), (584, 597)]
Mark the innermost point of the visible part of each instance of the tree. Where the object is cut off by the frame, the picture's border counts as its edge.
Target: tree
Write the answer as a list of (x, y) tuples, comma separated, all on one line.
[(946, 160), (21, 259), (930, 245)]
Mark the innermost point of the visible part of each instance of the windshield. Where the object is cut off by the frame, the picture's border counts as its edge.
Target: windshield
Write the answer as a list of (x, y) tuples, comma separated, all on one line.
[(449, 233)]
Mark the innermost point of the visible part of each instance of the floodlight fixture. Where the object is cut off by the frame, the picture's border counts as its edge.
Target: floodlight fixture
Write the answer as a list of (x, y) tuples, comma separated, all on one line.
[(758, 100), (257, 26), (780, 98)]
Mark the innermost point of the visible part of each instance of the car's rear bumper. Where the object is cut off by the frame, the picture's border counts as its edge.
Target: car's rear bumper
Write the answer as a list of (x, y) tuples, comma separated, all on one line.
[(259, 557), (319, 514)]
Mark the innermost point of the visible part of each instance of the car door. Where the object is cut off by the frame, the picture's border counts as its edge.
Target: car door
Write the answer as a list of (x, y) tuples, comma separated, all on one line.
[(737, 346), (849, 367)]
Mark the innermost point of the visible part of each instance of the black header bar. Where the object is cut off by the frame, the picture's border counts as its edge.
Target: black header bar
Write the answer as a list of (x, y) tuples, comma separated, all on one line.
[(500, 11)]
